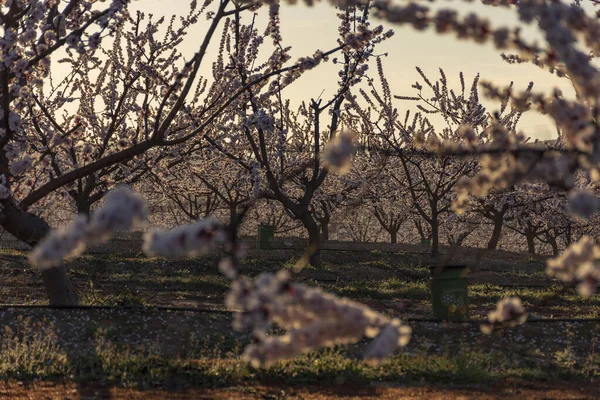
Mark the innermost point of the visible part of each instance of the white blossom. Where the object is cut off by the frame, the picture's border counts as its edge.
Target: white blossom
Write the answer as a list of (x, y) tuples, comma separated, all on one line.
[(508, 309), (339, 151), (583, 203), (121, 211), (184, 241)]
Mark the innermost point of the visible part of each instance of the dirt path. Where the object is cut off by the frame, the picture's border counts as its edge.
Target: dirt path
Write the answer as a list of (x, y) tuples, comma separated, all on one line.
[(508, 390)]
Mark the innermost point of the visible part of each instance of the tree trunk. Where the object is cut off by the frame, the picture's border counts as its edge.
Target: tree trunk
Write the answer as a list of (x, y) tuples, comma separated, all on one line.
[(233, 217), (83, 206), (324, 230), (496, 234), (58, 287), (554, 245), (394, 237), (30, 229), (420, 230), (435, 235), (568, 237), (530, 243), (314, 239)]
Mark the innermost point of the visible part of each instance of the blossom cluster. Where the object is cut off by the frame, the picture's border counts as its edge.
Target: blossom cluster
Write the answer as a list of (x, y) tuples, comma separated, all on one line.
[(338, 152), (509, 310), (358, 40), (122, 210), (583, 203), (312, 318), (33, 31), (4, 188), (574, 120), (185, 240), (579, 263)]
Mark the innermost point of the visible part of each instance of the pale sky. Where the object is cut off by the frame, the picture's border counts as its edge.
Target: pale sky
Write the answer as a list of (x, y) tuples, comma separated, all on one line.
[(307, 29)]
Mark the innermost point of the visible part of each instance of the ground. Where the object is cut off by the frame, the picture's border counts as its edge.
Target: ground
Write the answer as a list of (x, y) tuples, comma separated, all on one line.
[(141, 351), (508, 390)]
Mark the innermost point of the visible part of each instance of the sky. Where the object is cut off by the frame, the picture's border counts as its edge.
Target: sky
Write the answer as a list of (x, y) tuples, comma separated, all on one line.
[(307, 29)]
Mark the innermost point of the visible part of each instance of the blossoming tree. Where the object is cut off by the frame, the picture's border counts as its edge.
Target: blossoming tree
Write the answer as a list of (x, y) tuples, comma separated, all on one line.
[(276, 142), (388, 199), (430, 180)]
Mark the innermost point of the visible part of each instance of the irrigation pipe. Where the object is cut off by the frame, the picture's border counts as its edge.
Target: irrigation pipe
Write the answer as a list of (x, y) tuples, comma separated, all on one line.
[(5, 307)]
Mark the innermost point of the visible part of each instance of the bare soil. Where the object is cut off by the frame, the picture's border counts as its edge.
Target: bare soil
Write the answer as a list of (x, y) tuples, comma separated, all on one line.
[(63, 390)]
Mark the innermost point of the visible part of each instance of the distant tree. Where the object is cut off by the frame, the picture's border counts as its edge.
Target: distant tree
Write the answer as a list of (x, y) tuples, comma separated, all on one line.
[(387, 199), (431, 181), (272, 213), (274, 142), (457, 228)]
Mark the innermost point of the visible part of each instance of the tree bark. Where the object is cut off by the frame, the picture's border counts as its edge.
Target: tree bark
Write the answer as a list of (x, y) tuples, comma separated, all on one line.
[(420, 230), (530, 243), (30, 229), (233, 216), (496, 234), (84, 207), (394, 237), (554, 245), (324, 230), (435, 235), (314, 239)]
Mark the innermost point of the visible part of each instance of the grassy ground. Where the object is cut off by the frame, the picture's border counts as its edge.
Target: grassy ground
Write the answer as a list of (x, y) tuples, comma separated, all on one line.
[(133, 351)]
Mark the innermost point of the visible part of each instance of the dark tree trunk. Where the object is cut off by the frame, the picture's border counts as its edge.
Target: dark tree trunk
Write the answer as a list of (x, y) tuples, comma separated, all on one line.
[(394, 237), (84, 207), (324, 230), (496, 234), (530, 243), (554, 245), (435, 235), (30, 229), (233, 215), (314, 239), (420, 230)]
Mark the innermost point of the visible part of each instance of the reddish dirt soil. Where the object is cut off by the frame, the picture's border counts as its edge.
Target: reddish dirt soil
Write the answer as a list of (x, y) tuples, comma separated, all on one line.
[(508, 390)]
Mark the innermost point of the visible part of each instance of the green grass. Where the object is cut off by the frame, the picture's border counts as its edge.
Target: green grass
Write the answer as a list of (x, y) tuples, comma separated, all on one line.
[(571, 302), (29, 350), (133, 279), (391, 288), (125, 297)]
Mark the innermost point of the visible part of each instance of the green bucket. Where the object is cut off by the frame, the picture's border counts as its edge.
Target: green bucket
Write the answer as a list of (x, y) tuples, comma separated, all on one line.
[(449, 292), (425, 242), (265, 234)]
